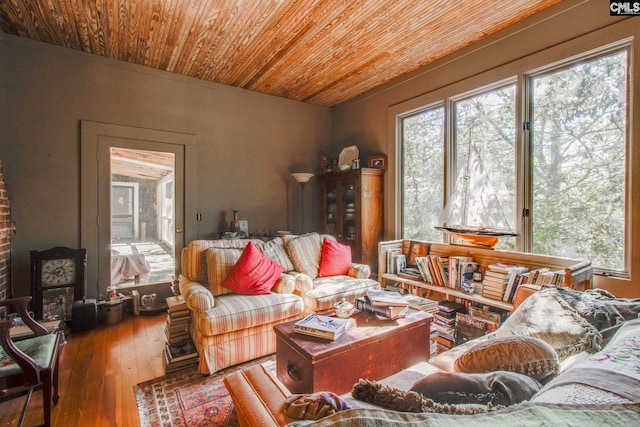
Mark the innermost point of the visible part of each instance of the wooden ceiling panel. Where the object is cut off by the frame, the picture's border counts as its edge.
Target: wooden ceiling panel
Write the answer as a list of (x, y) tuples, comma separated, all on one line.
[(323, 52)]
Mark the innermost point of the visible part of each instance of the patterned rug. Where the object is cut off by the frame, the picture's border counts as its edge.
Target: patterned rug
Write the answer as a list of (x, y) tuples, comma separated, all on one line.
[(188, 398)]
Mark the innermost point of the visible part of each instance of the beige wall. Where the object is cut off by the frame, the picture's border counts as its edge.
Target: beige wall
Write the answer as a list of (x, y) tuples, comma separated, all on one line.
[(247, 143), (368, 121)]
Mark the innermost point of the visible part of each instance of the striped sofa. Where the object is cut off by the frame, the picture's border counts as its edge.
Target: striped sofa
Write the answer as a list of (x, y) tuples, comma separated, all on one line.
[(230, 328)]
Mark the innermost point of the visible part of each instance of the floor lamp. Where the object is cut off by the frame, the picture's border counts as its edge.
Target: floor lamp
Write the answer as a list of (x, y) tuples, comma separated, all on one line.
[(302, 179)]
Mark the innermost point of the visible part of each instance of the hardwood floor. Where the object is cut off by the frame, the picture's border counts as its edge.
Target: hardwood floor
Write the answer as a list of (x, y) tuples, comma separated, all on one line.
[(98, 370)]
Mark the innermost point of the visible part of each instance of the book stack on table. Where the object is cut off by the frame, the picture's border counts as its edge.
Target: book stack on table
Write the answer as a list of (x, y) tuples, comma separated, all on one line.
[(320, 326), (389, 304), (179, 351)]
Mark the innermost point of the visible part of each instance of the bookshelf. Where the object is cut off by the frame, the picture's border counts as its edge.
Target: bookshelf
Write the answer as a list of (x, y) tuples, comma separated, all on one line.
[(576, 274)]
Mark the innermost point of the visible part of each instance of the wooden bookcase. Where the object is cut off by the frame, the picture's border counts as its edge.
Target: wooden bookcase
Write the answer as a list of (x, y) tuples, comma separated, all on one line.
[(351, 210), (578, 274)]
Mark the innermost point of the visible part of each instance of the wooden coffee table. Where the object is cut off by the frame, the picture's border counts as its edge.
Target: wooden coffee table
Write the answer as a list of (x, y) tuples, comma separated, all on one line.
[(371, 348)]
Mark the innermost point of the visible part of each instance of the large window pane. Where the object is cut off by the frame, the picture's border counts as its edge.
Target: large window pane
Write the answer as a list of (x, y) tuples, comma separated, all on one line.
[(485, 159), (423, 174), (578, 140)]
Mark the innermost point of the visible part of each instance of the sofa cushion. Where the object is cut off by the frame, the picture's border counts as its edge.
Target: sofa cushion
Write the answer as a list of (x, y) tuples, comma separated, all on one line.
[(275, 250), (253, 274), (304, 252), (496, 388), (220, 262), (234, 312), (335, 258), (194, 264), (547, 316), (525, 355)]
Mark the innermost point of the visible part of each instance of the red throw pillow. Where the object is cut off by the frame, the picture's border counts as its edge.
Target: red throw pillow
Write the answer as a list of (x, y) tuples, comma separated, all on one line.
[(253, 274), (335, 258)]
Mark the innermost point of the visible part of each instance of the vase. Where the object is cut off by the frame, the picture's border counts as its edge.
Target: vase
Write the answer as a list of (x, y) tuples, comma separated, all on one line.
[(235, 223)]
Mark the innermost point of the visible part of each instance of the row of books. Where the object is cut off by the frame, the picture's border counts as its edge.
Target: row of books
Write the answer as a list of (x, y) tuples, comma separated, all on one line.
[(444, 322), (501, 281)]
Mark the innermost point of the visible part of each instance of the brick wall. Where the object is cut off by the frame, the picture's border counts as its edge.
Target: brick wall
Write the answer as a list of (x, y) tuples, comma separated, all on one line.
[(6, 232)]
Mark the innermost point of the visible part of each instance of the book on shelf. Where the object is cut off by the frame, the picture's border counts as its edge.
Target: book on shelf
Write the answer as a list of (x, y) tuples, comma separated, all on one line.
[(447, 306), (500, 267), (425, 269), (392, 260), (321, 326), (422, 304), (469, 327), (517, 275), (497, 277), (410, 273), (386, 298), (390, 312)]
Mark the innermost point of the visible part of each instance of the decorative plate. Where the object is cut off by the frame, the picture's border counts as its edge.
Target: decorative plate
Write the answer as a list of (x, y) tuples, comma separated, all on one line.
[(348, 155)]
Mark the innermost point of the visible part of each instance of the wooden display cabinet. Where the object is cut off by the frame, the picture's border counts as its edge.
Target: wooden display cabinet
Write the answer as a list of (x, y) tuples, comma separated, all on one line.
[(351, 210)]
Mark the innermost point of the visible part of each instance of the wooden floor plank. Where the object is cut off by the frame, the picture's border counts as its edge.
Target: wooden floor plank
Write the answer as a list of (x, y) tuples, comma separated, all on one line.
[(98, 370)]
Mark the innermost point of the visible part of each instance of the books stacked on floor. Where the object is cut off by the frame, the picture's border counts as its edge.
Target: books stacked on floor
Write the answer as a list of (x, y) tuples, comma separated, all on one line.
[(317, 325), (469, 327), (389, 304), (179, 355), (433, 341), (444, 320), (178, 318)]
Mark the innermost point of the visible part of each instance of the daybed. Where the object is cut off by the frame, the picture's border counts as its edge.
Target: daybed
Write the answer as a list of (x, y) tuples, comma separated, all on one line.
[(238, 289), (596, 381)]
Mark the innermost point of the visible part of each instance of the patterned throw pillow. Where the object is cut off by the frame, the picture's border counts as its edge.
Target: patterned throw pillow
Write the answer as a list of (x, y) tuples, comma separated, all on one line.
[(274, 249), (525, 355), (547, 316), (304, 252)]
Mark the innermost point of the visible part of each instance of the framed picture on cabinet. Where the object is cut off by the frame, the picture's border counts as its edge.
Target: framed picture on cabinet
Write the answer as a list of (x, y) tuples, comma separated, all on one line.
[(378, 162)]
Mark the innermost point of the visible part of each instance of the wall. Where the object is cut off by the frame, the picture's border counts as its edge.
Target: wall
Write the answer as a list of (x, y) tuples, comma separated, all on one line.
[(247, 143), (367, 121)]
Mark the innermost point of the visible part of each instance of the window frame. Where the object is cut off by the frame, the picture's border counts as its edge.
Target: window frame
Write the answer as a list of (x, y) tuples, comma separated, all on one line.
[(521, 72)]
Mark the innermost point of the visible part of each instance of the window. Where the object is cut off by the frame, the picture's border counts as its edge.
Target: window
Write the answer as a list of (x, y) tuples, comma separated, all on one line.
[(578, 140), (423, 177), (559, 172)]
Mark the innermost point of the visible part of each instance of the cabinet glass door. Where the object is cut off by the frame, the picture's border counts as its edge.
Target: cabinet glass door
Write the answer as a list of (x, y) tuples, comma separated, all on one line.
[(348, 231), (331, 212)]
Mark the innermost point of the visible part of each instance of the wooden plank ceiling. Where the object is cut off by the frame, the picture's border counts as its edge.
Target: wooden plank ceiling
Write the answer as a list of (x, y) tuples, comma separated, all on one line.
[(140, 164), (323, 52)]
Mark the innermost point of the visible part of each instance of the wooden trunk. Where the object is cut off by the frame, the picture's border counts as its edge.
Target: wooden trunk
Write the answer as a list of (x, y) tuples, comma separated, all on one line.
[(371, 349)]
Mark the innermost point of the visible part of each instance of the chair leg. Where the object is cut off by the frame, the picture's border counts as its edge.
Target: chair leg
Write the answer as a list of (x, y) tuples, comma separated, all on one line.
[(25, 407), (47, 387)]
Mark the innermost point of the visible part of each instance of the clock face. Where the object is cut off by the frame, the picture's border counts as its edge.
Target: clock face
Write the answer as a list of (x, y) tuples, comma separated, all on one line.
[(58, 272)]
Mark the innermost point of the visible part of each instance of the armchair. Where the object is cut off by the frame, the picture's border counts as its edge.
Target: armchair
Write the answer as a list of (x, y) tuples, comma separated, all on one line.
[(30, 362)]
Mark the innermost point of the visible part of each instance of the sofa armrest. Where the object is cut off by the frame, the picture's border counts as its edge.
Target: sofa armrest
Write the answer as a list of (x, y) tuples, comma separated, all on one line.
[(196, 296), (257, 397), (285, 284), (304, 283), (359, 271)]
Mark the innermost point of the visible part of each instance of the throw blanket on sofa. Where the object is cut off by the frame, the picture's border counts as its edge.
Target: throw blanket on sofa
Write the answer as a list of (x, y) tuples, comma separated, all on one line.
[(603, 379)]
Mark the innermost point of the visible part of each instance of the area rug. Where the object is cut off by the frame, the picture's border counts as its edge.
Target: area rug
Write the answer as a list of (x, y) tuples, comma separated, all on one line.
[(188, 398)]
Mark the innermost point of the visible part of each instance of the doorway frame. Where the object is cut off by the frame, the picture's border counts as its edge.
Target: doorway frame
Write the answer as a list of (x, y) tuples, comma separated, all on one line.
[(90, 135)]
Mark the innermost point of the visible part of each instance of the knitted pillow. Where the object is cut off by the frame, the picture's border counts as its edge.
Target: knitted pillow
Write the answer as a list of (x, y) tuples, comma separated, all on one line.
[(304, 252), (547, 316), (525, 355), (410, 401)]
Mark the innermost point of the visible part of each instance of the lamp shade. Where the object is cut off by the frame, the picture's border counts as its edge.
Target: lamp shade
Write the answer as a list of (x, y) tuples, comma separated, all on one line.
[(302, 177)]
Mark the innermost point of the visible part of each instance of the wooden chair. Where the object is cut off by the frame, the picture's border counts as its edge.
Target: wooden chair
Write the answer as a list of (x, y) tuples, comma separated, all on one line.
[(31, 362)]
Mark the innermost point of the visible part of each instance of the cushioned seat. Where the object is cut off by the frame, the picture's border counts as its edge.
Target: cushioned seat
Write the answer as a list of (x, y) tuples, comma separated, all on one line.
[(234, 312)]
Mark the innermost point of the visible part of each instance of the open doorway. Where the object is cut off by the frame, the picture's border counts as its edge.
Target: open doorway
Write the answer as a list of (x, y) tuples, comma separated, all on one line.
[(142, 217)]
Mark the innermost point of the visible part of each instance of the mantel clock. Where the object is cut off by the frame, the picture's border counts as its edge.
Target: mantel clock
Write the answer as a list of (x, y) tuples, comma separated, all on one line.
[(58, 278)]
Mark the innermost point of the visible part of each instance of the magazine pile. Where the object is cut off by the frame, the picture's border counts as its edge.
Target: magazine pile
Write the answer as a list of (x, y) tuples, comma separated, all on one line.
[(320, 326), (388, 304)]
